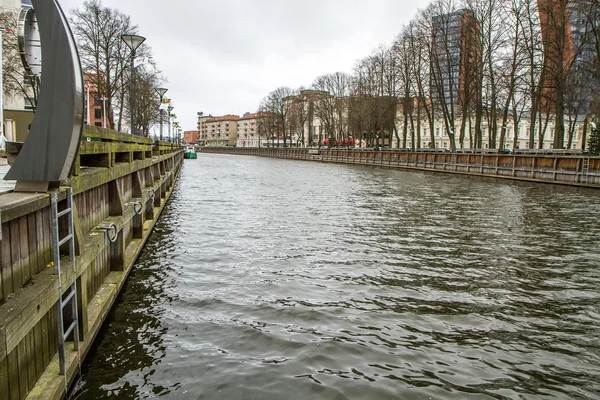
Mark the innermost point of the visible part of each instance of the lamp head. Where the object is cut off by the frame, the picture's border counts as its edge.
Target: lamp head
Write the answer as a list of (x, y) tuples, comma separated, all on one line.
[(133, 41), (161, 91)]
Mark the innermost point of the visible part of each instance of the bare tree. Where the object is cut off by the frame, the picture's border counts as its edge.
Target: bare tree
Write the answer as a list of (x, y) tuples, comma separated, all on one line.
[(332, 104), (147, 102), (510, 67), (104, 55), (278, 105), (299, 115), (419, 38)]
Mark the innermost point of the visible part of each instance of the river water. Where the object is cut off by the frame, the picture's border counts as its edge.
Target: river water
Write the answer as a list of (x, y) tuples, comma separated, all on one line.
[(279, 279)]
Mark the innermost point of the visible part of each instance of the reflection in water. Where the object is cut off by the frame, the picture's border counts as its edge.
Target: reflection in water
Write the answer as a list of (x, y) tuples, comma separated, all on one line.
[(270, 279)]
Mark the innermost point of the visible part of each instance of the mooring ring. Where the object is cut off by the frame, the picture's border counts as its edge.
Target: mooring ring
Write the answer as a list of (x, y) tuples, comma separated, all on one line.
[(110, 227), (151, 196), (138, 207)]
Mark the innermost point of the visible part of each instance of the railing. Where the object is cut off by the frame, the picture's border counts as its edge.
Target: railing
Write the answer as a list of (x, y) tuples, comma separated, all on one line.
[(106, 148)]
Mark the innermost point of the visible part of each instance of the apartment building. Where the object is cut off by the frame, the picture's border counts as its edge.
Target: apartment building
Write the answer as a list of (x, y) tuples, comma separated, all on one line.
[(252, 130), (221, 131), (203, 128)]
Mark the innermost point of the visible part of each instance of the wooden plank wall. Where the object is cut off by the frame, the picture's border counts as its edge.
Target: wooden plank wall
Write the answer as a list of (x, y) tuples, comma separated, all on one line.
[(25, 251), (97, 272), (26, 362), (92, 207), (550, 168)]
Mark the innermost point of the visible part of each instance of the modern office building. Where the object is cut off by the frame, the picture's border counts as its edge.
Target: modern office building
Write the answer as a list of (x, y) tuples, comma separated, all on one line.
[(455, 56), (569, 53)]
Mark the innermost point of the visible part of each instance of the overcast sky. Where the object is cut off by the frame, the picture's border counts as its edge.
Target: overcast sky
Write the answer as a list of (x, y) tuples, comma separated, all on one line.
[(224, 56)]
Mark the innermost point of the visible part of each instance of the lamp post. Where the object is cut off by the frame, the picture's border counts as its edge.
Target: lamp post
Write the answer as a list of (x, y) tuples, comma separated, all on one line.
[(104, 99), (88, 86), (169, 109), (133, 42), (161, 93)]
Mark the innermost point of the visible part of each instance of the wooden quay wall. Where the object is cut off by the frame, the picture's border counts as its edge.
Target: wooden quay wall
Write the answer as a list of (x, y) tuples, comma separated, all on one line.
[(576, 170), (114, 171)]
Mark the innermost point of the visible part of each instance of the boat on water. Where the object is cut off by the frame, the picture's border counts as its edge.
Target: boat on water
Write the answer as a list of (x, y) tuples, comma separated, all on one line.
[(190, 152)]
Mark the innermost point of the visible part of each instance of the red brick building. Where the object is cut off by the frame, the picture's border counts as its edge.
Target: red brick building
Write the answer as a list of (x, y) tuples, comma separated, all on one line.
[(190, 137), (92, 95)]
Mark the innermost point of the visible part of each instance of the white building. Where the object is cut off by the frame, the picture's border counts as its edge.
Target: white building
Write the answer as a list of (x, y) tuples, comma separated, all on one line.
[(442, 140), (18, 113)]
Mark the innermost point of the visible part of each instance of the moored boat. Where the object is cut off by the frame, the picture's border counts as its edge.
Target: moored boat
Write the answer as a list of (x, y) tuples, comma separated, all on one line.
[(190, 152)]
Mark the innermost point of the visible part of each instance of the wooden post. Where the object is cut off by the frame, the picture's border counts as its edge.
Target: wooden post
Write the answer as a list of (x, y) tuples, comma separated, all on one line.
[(117, 253), (514, 165), (115, 200)]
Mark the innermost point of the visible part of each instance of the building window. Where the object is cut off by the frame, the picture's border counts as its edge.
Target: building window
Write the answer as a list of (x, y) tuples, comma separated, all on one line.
[(28, 104), (99, 124), (97, 113)]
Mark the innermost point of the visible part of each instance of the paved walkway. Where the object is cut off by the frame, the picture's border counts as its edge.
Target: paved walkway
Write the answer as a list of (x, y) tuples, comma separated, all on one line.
[(5, 186)]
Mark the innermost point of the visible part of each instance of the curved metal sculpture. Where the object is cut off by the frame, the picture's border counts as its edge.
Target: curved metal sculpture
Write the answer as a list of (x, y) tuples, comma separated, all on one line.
[(49, 153), (29, 42)]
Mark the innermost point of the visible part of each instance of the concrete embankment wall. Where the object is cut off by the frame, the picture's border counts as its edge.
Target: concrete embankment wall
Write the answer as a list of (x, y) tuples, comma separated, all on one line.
[(547, 168), (114, 172)]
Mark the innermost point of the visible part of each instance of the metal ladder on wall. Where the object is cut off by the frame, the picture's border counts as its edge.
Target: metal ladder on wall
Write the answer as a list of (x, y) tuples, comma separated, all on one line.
[(70, 296), (585, 169)]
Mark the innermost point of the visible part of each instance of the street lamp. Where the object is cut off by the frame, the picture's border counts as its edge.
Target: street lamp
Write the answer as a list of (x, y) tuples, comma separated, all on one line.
[(161, 92), (133, 42), (169, 109), (104, 99)]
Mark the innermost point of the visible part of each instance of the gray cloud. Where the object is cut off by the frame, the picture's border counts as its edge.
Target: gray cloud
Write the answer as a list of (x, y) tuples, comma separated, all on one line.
[(224, 56)]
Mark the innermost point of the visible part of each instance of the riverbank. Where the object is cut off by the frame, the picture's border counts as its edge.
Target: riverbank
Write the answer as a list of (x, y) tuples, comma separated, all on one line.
[(121, 181), (575, 170)]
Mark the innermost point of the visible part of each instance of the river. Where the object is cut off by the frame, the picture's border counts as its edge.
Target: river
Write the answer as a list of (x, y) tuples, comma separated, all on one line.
[(279, 279)]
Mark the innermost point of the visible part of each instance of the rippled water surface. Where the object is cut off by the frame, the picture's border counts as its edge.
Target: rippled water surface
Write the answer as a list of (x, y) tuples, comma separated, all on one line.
[(277, 279)]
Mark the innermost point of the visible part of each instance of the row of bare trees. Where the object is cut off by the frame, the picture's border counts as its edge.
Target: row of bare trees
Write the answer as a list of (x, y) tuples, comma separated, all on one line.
[(472, 69), (106, 59)]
